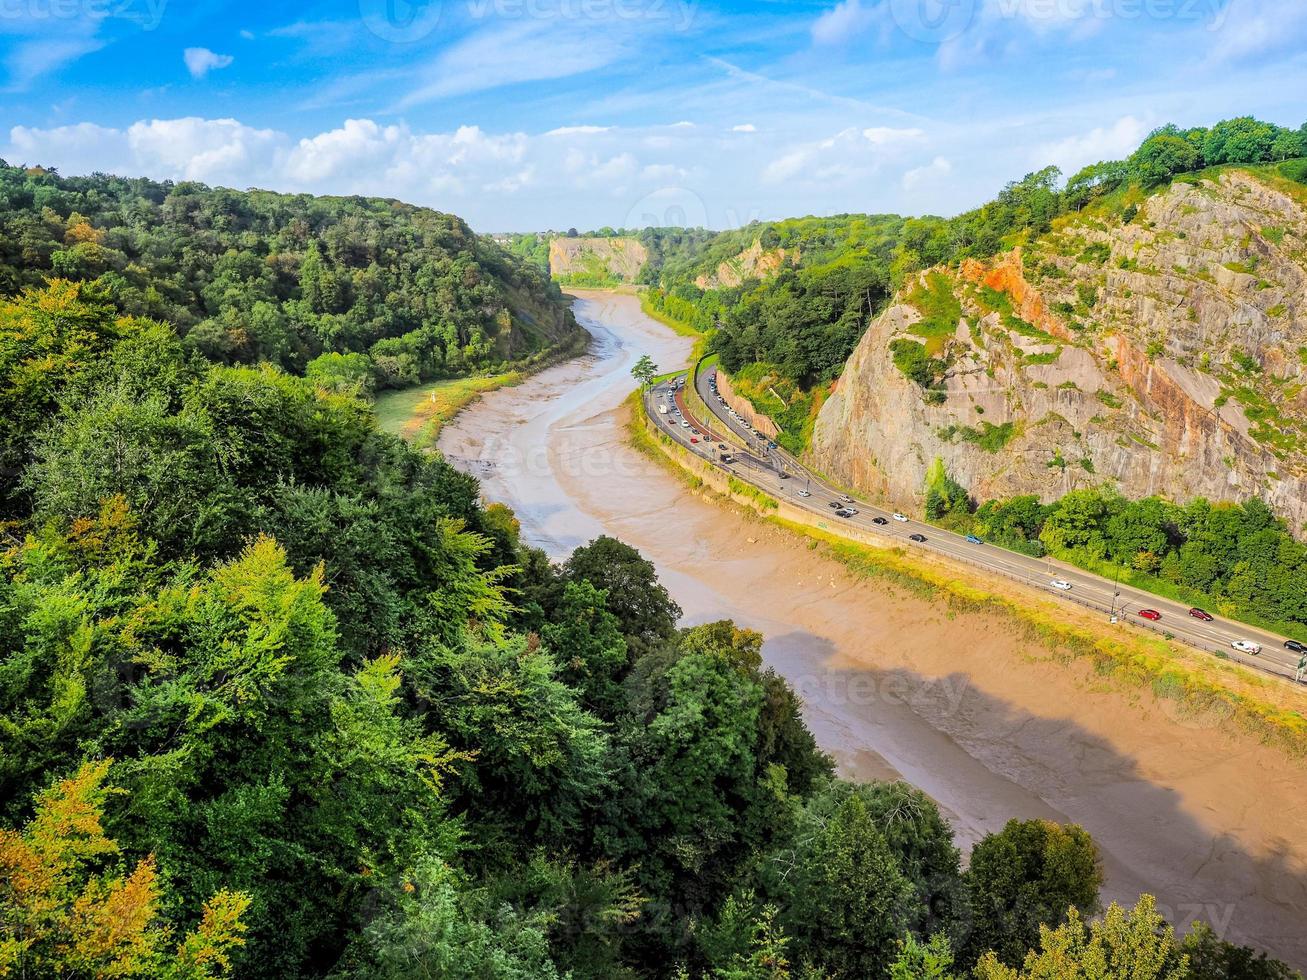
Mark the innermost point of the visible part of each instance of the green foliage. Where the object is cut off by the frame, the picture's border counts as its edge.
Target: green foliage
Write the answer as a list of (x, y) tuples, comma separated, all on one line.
[(1136, 943), (1024, 879), (249, 276), (912, 359)]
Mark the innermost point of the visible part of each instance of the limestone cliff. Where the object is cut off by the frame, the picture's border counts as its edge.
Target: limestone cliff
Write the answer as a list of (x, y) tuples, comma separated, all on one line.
[(594, 261), (754, 262), (1165, 355)]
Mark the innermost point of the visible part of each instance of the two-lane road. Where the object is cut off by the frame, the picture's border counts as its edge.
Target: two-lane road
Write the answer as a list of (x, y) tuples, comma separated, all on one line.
[(779, 474)]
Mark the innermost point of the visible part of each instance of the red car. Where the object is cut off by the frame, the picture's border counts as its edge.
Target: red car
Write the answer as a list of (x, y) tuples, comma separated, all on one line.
[(1197, 613), (1152, 614)]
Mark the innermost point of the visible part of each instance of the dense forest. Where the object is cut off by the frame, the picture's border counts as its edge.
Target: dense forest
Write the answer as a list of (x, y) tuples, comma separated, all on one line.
[(280, 698), (392, 294)]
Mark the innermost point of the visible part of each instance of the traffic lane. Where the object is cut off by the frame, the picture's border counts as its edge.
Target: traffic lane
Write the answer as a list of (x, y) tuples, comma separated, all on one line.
[(1219, 634)]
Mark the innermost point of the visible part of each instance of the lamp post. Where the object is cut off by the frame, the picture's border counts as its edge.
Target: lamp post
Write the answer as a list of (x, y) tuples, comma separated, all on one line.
[(1116, 592)]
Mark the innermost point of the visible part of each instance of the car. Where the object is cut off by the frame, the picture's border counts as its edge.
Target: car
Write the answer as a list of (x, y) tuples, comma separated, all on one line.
[(722, 445), (835, 505), (1202, 614), (694, 438), (920, 538), (1150, 614), (879, 520), (852, 510), (804, 493), (1247, 646), (901, 518), (846, 498), (1061, 584), (973, 539), (843, 513), (684, 424), (1295, 646)]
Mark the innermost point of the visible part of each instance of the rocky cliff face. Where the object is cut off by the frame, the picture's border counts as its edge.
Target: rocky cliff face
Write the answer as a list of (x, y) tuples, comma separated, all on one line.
[(1166, 355), (755, 262), (593, 259)]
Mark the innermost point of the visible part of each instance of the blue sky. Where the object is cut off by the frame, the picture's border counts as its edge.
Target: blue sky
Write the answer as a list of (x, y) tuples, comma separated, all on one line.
[(533, 114)]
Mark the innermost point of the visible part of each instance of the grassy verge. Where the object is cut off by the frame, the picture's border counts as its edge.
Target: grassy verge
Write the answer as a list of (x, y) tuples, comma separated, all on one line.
[(1197, 683), (677, 326), (417, 414)]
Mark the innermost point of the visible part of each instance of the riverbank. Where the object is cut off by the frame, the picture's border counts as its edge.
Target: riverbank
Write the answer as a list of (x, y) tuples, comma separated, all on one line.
[(418, 414), (899, 682), (1200, 685)]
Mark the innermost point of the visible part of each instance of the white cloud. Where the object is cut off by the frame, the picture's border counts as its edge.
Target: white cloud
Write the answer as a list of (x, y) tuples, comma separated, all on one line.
[(201, 61), (927, 175), (1250, 29), (744, 128), (850, 153), (847, 20), (211, 150), (1101, 143), (887, 136), (578, 130)]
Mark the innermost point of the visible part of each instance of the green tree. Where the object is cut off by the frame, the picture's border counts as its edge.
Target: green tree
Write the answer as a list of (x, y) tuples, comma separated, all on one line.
[(633, 594), (1024, 878), (644, 371), (932, 960), (843, 898), (1135, 944)]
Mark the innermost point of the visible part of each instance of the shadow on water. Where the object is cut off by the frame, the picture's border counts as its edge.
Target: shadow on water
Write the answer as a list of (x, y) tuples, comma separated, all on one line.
[(948, 737)]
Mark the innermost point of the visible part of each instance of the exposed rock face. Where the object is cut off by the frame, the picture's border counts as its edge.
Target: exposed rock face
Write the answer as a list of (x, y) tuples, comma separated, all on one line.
[(614, 258), (754, 262), (1165, 356)]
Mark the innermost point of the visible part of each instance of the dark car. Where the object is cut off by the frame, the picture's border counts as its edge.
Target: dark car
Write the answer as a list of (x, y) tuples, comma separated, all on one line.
[(1295, 646), (920, 538), (846, 514), (835, 505), (879, 520), (1202, 614)]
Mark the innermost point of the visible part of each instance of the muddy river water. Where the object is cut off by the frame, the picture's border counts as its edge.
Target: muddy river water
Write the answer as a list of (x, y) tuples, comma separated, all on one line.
[(896, 685)]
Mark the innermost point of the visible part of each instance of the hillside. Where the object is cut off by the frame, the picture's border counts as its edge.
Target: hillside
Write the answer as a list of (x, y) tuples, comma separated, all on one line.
[(1162, 354), (250, 276)]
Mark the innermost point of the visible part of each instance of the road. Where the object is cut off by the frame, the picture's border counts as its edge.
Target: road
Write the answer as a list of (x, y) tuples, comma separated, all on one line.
[(758, 463)]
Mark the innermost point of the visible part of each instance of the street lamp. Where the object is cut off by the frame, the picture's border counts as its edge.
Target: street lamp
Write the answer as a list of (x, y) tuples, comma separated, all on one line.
[(1116, 591)]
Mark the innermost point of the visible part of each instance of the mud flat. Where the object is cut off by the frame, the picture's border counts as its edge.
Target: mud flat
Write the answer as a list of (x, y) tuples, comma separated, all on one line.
[(1201, 816)]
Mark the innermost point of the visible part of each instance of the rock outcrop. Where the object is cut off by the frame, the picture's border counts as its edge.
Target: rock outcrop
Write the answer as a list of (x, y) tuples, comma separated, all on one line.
[(755, 262), (1163, 355), (594, 259)]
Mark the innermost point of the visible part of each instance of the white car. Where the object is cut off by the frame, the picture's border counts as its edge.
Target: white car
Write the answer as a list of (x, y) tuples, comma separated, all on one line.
[(1247, 646), (804, 493), (684, 424), (1061, 583), (901, 518)]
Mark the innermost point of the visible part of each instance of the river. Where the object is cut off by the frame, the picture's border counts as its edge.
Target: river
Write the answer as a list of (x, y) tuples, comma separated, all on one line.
[(896, 685)]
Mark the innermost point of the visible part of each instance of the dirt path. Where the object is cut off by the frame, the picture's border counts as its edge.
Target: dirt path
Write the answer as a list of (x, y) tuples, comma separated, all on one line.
[(1208, 821)]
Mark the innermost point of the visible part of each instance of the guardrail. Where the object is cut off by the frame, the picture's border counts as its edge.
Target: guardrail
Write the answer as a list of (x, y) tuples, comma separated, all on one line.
[(1282, 671)]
